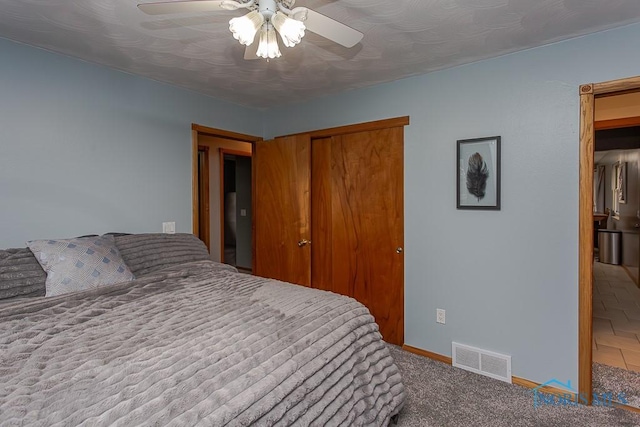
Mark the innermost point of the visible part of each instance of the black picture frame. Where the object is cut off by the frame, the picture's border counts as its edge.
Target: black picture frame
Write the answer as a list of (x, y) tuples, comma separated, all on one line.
[(478, 173)]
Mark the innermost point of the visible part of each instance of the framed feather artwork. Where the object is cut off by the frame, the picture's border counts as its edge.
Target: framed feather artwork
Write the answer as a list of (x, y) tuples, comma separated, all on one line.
[(478, 173)]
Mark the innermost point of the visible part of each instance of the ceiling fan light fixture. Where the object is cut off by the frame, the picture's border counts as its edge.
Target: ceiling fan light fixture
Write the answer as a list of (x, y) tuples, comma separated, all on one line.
[(299, 14), (230, 5), (291, 30), (270, 17), (268, 47), (244, 28)]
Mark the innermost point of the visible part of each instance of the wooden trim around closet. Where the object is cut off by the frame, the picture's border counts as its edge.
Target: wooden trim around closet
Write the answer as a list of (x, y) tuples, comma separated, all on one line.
[(588, 93), (360, 127)]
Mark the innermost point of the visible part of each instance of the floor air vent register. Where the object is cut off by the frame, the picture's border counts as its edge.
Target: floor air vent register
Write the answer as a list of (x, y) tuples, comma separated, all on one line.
[(483, 362)]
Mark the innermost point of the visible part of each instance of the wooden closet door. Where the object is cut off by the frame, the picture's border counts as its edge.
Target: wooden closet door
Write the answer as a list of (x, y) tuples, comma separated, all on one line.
[(282, 209), (322, 219), (365, 186)]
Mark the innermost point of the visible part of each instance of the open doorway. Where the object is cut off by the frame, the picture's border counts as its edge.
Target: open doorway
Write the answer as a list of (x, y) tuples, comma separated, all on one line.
[(209, 147), (236, 209), (588, 210), (616, 295)]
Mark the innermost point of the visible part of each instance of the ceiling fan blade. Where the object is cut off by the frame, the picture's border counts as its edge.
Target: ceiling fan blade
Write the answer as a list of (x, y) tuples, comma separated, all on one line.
[(332, 29), (168, 7)]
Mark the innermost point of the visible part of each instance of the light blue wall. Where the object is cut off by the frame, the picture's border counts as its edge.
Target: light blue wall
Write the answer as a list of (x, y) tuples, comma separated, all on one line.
[(508, 279), (86, 149)]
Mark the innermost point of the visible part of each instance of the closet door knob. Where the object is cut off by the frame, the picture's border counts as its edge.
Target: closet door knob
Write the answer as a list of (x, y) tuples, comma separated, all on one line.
[(399, 250), (303, 242)]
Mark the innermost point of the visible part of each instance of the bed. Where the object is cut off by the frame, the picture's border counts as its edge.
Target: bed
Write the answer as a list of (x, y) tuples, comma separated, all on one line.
[(188, 342)]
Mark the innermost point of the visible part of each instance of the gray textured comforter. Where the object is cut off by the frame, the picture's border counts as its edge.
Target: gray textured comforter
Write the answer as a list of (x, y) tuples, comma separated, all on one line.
[(195, 344)]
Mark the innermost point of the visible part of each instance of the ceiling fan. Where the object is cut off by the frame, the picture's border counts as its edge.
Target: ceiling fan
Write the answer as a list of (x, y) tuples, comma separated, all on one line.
[(267, 16)]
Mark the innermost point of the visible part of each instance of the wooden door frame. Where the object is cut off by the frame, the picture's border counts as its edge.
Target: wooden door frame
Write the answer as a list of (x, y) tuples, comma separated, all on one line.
[(617, 123), (588, 94), (224, 151), (205, 178), (354, 128), (196, 130)]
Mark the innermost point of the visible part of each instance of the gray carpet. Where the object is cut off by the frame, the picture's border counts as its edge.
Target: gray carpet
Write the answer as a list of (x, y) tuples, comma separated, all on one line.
[(442, 396), (617, 380)]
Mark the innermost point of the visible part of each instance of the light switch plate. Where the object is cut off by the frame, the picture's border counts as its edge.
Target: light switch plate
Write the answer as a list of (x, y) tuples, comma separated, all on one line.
[(169, 227), (243, 212)]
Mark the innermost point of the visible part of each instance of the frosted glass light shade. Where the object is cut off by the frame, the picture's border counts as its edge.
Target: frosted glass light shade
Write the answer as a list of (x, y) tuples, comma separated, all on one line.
[(245, 27), (290, 30), (230, 5), (268, 47)]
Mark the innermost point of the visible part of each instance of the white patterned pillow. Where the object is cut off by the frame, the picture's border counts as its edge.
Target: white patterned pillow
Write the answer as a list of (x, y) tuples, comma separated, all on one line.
[(78, 264)]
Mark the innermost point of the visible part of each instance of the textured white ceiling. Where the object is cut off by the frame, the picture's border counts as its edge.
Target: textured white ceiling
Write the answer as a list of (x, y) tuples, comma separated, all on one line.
[(401, 38)]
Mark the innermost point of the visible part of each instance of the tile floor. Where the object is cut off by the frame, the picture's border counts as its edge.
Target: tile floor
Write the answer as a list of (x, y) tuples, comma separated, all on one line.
[(616, 318)]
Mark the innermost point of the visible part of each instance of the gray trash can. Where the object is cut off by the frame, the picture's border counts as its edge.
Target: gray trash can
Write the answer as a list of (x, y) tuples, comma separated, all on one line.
[(610, 245)]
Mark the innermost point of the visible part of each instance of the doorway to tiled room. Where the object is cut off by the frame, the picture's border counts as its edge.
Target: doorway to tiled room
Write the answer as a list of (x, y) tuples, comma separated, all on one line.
[(616, 318), (616, 295), (616, 333)]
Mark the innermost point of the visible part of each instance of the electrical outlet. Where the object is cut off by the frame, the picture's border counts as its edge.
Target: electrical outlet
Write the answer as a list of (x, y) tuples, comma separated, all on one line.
[(440, 316), (169, 227)]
